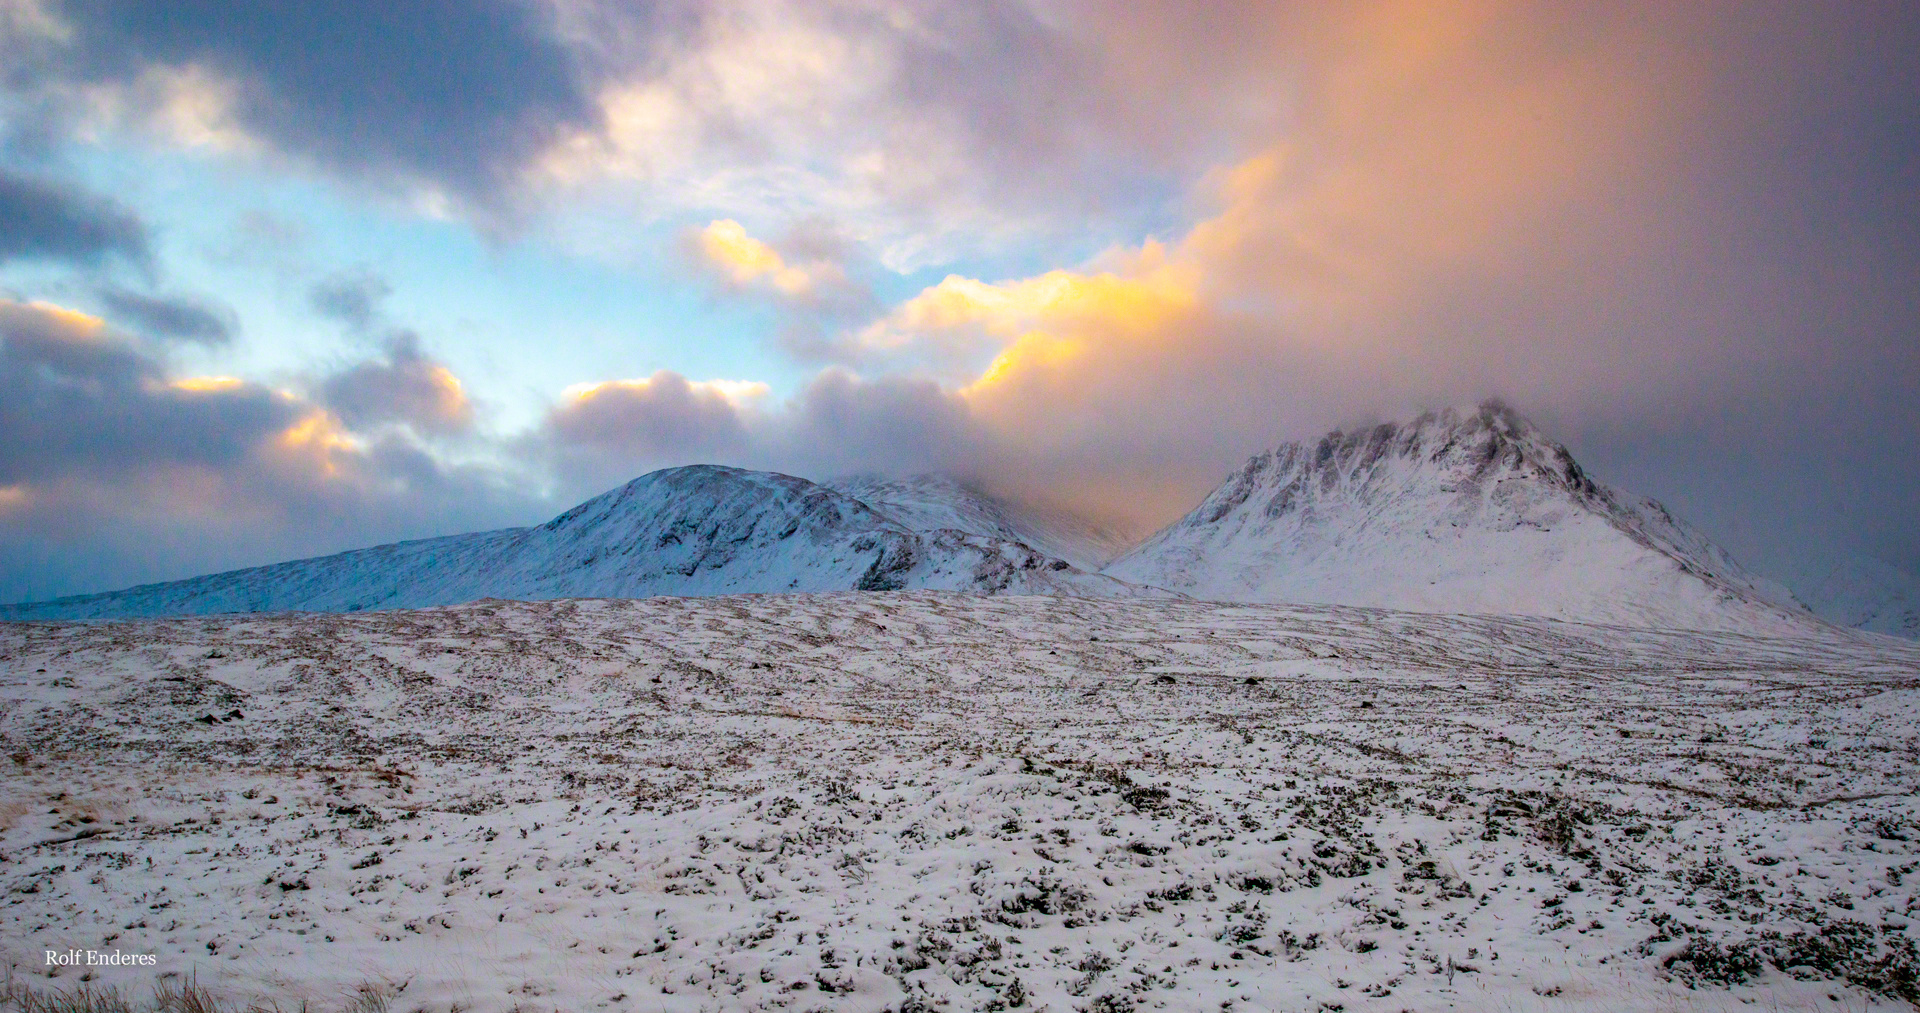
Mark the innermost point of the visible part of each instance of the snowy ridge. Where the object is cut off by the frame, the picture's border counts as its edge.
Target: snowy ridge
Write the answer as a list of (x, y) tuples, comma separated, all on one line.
[(1870, 595), (933, 502), (929, 503), (700, 530), (1454, 512), (1459, 512)]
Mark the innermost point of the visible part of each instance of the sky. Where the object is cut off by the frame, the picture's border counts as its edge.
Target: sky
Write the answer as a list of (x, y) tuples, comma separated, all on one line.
[(279, 279)]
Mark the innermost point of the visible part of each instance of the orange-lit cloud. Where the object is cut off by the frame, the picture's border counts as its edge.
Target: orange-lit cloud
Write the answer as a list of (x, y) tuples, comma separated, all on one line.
[(745, 261), (318, 443), (607, 432), (207, 384), (405, 386), (47, 322), (106, 447)]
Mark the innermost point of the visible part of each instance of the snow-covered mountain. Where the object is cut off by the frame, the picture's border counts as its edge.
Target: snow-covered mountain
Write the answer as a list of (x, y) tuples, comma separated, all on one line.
[(1459, 512), (928, 503), (1454, 512), (698, 530), (1868, 594)]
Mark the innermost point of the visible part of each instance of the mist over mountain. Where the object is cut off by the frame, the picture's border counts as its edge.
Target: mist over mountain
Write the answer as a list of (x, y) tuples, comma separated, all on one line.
[(1870, 595), (934, 502), (698, 530), (1461, 512)]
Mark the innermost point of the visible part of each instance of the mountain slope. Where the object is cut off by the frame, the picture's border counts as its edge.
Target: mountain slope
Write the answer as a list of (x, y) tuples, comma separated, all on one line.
[(698, 530), (1870, 595), (932, 502), (1473, 512)]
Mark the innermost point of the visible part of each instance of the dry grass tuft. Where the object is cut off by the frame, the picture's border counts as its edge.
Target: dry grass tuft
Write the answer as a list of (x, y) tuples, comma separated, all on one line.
[(169, 996)]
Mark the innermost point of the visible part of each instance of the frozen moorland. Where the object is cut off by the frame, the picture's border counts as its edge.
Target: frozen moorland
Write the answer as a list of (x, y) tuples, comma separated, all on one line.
[(934, 801)]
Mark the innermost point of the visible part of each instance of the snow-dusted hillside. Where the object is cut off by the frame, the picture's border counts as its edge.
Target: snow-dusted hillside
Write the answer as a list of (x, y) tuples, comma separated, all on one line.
[(1870, 595), (928, 503), (698, 530), (943, 802), (1474, 512)]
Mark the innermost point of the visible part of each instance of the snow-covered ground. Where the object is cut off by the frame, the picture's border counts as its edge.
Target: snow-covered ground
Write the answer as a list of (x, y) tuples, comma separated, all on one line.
[(917, 800)]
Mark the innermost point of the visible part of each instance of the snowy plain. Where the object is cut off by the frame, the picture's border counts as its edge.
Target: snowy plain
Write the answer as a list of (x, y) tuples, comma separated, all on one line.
[(921, 800)]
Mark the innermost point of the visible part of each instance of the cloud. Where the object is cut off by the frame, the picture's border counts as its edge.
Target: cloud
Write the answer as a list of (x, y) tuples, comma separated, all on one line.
[(841, 422), (49, 219), (351, 297), (745, 262), (1434, 203), (115, 468), (453, 96), (813, 274), (403, 387), (927, 130), (81, 399), (1475, 199), (172, 317), (601, 434)]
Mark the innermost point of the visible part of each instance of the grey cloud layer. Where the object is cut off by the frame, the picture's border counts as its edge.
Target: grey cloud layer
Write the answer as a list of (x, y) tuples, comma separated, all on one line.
[(351, 297), (47, 218), (174, 317), (404, 385), (81, 400), (1683, 236), (459, 94), (114, 470)]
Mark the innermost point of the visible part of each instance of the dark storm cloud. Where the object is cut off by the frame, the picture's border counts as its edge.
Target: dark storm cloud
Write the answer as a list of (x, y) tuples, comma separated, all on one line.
[(50, 219), (457, 93), (172, 317)]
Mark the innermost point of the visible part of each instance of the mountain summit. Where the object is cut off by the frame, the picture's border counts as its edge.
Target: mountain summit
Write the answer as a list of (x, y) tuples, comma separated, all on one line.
[(1473, 511), (697, 530), (1458, 512)]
